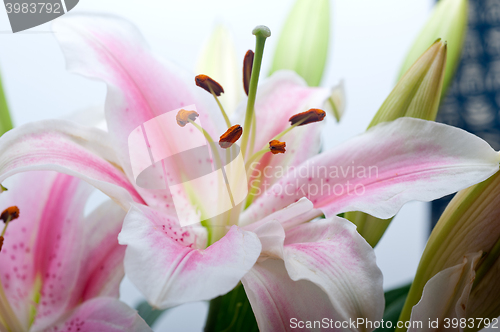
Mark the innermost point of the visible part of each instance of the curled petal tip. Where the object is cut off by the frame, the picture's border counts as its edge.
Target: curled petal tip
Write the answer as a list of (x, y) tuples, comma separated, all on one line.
[(262, 31)]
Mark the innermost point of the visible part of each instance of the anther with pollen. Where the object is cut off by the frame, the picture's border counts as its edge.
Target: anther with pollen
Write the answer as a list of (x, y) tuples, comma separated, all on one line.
[(310, 116), (7, 216), (184, 116), (207, 83), (276, 146), (247, 69), (230, 136)]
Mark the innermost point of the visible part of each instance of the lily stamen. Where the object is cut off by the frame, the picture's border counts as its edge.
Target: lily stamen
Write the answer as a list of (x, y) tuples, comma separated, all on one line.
[(230, 136), (7, 216), (210, 85), (247, 70), (276, 147)]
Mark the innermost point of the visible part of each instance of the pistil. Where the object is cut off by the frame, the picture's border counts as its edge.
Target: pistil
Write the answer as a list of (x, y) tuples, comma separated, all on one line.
[(261, 33)]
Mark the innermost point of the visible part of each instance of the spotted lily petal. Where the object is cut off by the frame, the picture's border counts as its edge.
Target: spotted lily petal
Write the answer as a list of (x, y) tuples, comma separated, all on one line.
[(389, 165), (103, 314), (52, 256), (167, 264)]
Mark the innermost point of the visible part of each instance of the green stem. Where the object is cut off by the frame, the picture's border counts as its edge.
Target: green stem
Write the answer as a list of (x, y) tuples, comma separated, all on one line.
[(5, 119), (231, 312), (261, 33), (224, 114)]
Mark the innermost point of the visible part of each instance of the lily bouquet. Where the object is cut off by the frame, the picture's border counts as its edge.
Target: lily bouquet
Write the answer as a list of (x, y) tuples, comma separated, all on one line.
[(241, 209)]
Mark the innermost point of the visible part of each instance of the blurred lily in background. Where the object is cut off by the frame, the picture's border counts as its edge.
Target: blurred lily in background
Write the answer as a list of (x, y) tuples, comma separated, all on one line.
[(59, 269)]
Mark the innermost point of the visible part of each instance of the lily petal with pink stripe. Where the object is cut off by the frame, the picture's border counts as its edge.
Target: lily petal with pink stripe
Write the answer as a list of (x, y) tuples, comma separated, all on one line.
[(380, 170), (53, 259)]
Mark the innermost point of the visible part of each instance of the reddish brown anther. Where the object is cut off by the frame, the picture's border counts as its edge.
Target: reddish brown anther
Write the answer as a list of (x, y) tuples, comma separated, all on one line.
[(230, 136), (276, 146), (247, 70), (209, 84), (313, 115), (1, 243), (12, 212), (184, 116)]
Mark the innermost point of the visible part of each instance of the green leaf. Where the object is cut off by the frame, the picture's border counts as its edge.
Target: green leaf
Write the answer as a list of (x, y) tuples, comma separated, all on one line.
[(148, 313), (394, 301), (231, 312), (303, 43)]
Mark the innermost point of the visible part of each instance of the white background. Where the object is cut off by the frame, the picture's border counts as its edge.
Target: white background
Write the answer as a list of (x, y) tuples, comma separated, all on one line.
[(369, 40)]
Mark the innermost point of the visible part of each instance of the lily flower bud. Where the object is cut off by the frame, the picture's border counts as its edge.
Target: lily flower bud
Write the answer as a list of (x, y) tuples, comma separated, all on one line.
[(276, 146), (448, 21), (469, 225), (303, 44), (247, 70), (417, 94)]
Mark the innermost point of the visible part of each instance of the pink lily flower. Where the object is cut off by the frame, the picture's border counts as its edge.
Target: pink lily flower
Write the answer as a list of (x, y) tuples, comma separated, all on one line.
[(61, 271), (290, 267)]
